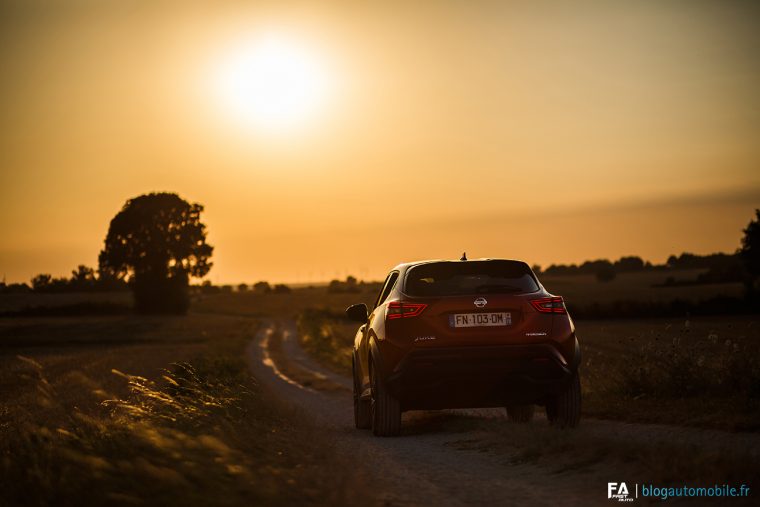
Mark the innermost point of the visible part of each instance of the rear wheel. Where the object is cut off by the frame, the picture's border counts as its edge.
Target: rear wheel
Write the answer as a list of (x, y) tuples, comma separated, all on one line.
[(384, 408), (564, 410), (520, 413), (362, 416)]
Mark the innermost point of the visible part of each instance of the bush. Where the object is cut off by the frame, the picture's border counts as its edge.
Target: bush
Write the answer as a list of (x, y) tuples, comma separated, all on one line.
[(321, 335)]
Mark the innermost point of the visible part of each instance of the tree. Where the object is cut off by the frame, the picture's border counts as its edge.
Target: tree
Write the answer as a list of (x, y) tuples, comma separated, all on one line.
[(42, 282), (157, 242), (262, 287), (593, 267), (350, 285), (46, 283), (630, 263), (82, 278), (107, 281), (750, 252), (209, 288)]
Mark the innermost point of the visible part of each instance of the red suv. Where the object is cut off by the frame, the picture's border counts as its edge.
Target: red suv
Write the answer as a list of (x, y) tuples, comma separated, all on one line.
[(464, 334)]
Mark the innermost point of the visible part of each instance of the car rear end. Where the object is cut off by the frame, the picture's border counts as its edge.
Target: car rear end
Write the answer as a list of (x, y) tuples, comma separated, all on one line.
[(480, 333)]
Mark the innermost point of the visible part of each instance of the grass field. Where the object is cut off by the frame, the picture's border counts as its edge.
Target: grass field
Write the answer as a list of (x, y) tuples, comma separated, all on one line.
[(127, 410), (105, 409), (583, 290), (17, 302), (698, 372)]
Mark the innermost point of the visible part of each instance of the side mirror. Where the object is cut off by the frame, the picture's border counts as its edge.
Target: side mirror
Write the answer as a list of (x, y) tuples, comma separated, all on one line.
[(359, 312)]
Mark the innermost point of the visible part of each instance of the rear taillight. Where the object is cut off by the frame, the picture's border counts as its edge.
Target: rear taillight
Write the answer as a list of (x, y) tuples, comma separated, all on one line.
[(398, 310), (549, 305)]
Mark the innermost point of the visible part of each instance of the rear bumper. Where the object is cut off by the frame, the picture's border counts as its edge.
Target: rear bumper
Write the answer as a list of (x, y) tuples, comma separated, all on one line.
[(482, 376)]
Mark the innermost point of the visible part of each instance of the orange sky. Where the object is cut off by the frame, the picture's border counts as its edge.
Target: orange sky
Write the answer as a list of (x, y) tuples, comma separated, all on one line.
[(534, 130)]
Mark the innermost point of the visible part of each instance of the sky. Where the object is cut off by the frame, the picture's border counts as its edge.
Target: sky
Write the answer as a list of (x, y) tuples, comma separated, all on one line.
[(335, 138)]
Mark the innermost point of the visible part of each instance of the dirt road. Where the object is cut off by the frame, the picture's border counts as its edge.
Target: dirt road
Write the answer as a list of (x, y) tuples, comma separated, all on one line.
[(433, 464)]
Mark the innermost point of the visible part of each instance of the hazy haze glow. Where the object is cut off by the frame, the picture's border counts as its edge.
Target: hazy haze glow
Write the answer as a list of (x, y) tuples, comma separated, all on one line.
[(328, 139), (270, 83)]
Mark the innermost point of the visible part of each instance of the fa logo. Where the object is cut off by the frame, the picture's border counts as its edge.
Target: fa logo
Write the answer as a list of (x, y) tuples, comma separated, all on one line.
[(618, 491)]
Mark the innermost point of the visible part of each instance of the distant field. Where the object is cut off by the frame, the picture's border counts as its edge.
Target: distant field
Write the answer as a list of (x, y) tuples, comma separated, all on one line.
[(16, 302), (578, 289), (586, 289), (282, 305)]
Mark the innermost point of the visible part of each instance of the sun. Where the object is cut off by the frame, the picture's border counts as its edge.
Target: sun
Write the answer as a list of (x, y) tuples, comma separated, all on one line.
[(272, 83)]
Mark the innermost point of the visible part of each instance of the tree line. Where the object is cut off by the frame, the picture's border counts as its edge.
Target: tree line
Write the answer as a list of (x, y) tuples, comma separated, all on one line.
[(87, 279), (83, 279), (720, 267), (156, 243), (262, 287)]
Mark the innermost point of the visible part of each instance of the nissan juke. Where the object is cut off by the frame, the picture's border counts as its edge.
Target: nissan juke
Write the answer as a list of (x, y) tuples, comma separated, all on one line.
[(464, 334)]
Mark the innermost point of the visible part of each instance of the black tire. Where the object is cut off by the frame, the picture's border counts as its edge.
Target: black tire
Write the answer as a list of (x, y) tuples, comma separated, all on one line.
[(564, 410), (384, 408), (362, 416), (520, 413)]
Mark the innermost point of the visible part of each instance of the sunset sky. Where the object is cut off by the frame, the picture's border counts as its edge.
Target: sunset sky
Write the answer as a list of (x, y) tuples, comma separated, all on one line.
[(327, 139)]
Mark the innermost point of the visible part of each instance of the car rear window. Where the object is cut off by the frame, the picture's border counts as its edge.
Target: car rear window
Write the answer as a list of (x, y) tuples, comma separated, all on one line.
[(469, 277)]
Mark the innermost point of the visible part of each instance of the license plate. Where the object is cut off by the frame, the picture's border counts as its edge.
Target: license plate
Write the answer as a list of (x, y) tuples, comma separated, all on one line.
[(480, 319)]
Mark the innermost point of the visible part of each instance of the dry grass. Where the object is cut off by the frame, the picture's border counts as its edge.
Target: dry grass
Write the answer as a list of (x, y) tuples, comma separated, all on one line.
[(701, 372), (328, 337), (126, 411)]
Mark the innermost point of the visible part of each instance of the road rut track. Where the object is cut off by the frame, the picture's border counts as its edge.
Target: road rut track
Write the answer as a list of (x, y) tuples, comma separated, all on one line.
[(431, 464)]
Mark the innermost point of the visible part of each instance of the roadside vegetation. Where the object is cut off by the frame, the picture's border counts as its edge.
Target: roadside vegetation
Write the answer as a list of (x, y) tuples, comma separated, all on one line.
[(698, 372), (163, 410), (328, 337)]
